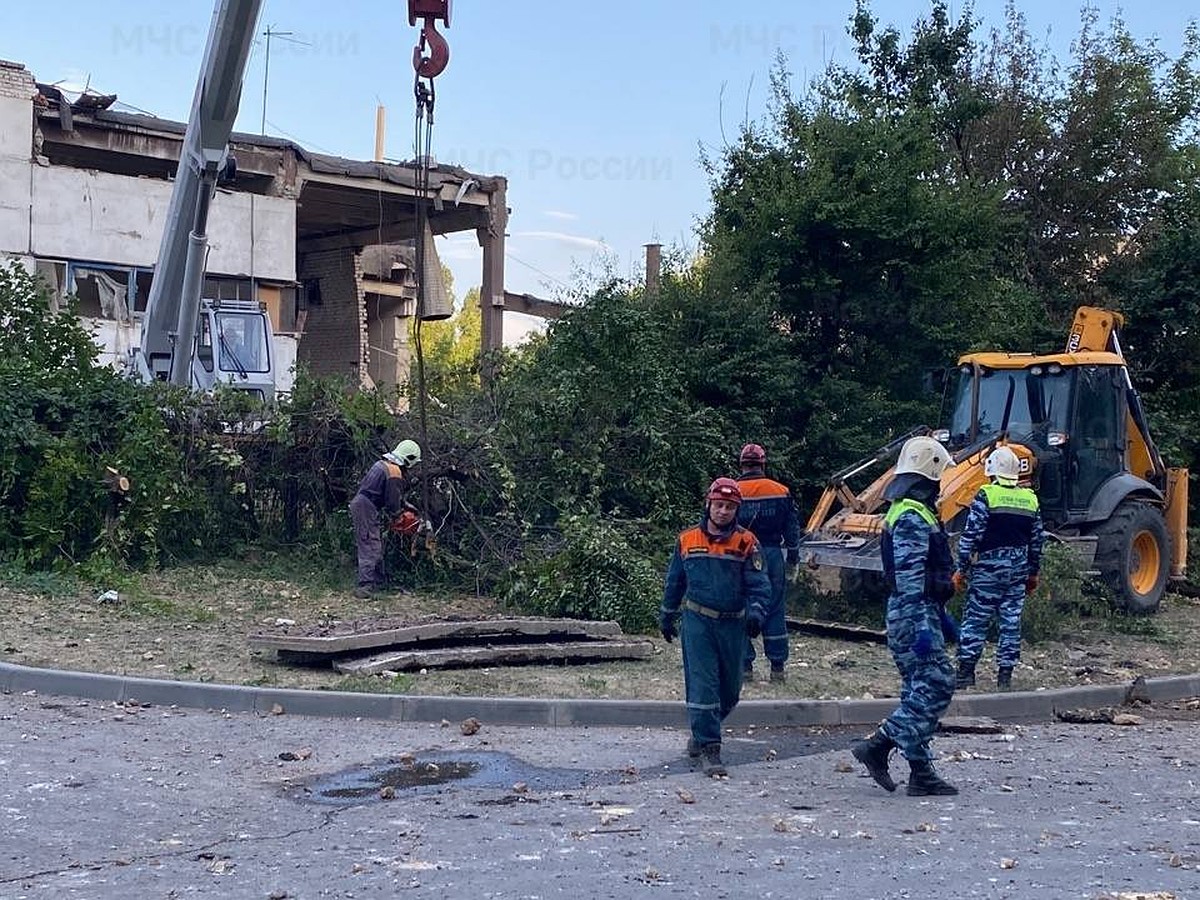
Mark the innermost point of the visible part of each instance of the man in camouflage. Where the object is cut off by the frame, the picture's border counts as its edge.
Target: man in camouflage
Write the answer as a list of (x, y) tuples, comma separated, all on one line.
[(916, 564), (1004, 535)]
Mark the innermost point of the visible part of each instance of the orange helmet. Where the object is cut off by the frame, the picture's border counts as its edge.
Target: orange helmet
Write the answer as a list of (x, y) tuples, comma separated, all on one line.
[(724, 489), (753, 455)]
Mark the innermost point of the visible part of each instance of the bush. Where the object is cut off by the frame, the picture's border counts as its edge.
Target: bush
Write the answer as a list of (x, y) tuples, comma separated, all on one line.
[(589, 570), (1060, 598)]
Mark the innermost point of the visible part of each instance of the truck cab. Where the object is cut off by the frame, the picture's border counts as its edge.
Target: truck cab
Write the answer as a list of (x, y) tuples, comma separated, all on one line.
[(234, 348)]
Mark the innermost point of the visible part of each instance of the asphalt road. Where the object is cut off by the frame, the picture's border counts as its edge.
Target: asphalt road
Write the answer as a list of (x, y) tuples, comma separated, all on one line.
[(107, 801)]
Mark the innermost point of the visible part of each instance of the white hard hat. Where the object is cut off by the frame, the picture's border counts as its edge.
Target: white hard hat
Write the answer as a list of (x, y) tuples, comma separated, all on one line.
[(407, 453), (1003, 465), (923, 456)]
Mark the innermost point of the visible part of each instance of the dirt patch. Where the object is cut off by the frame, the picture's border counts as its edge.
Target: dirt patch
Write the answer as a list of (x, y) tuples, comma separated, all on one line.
[(193, 623)]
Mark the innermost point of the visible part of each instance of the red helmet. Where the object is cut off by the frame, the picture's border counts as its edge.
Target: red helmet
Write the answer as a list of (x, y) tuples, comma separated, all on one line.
[(724, 489), (753, 455)]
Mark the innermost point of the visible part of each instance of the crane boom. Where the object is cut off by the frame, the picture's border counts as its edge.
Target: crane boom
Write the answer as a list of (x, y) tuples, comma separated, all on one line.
[(169, 327)]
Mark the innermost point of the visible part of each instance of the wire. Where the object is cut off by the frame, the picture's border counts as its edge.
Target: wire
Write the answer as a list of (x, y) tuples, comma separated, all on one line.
[(422, 128), (536, 269)]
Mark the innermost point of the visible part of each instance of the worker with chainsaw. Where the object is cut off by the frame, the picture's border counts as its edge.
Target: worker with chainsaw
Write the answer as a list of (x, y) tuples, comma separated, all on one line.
[(767, 510), (380, 491), (917, 566), (716, 594), (999, 557)]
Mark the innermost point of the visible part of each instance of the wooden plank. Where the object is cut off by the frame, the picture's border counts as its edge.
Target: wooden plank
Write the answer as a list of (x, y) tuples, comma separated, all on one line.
[(342, 642), (493, 655), (859, 633)]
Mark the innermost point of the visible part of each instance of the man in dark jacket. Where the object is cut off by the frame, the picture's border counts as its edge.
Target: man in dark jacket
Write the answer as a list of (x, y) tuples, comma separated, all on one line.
[(768, 511), (716, 577), (917, 566), (381, 490)]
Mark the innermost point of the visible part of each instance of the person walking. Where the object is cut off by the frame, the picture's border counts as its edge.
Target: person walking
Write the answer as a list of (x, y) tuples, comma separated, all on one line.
[(768, 511), (716, 593), (999, 556), (916, 564), (381, 490)]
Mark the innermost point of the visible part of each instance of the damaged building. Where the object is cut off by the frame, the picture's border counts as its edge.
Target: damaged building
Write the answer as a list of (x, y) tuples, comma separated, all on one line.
[(324, 243)]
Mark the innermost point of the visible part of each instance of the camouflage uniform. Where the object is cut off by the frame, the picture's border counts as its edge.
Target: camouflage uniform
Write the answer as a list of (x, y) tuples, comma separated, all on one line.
[(916, 563), (1004, 532)]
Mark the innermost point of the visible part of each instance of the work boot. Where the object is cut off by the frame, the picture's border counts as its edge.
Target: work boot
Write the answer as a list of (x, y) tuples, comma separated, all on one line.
[(778, 676), (1004, 678), (965, 677), (873, 753), (693, 749), (713, 765), (364, 592), (923, 781)]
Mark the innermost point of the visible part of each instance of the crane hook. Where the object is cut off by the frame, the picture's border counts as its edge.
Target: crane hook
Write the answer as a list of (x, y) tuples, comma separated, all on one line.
[(432, 53)]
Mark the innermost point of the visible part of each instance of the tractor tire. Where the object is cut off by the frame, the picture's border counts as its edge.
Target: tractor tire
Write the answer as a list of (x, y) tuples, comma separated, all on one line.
[(1133, 554), (865, 588)]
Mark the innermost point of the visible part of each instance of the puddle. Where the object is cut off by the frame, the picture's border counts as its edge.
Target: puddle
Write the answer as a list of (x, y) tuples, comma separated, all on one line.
[(435, 770)]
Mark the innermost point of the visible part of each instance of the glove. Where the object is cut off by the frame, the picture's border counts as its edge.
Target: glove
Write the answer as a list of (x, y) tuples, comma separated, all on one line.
[(959, 580), (1031, 583), (950, 632), (923, 645), (753, 626), (667, 626)]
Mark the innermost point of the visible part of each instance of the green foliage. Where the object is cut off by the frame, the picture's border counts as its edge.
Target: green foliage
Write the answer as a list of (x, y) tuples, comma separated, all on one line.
[(591, 570), (1060, 598), (943, 193)]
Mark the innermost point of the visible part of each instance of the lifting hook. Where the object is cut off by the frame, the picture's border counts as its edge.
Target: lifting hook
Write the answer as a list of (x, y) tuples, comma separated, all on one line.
[(432, 53)]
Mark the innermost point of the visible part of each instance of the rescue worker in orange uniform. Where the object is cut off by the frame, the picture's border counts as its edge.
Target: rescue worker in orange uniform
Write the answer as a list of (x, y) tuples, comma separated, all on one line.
[(716, 593), (768, 511)]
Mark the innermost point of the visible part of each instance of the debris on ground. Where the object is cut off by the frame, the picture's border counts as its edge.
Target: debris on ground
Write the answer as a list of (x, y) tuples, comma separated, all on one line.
[(819, 628), (970, 725), (375, 646)]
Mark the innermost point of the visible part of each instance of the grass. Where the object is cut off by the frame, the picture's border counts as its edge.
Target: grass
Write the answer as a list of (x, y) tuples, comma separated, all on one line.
[(46, 584)]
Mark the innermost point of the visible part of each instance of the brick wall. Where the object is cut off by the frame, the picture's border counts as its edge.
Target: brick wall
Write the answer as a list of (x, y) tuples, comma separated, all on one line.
[(15, 81), (333, 343)]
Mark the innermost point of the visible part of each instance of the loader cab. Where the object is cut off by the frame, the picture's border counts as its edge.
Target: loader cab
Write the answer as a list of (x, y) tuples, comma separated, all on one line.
[(1072, 417)]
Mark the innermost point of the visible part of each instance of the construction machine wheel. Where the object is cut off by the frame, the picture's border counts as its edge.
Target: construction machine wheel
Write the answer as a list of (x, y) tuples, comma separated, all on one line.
[(1133, 555), (864, 587)]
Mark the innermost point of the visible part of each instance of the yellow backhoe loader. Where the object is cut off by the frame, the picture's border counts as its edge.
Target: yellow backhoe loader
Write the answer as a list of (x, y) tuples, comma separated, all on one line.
[(1078, 427)]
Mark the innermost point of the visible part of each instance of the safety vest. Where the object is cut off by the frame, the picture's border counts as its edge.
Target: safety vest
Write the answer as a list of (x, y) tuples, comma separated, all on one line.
[(1011, 514), (938, 563)]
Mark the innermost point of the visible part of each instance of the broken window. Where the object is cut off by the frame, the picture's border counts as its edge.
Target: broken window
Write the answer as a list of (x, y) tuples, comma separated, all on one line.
[(103, 292)]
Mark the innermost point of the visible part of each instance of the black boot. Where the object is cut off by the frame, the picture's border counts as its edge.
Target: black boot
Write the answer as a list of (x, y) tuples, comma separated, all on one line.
[(1004, 677), (714, 766), (923, 781), (966, 676), (873, 753)]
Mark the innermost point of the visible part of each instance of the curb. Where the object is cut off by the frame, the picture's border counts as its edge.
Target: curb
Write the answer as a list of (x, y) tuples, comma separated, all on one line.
[(557, 713)]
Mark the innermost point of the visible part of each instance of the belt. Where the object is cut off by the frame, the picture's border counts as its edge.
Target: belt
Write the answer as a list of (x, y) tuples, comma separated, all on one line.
[(712, 613)]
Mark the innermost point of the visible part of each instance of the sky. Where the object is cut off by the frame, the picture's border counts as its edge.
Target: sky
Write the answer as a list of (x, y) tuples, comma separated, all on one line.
[(599, 114)]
